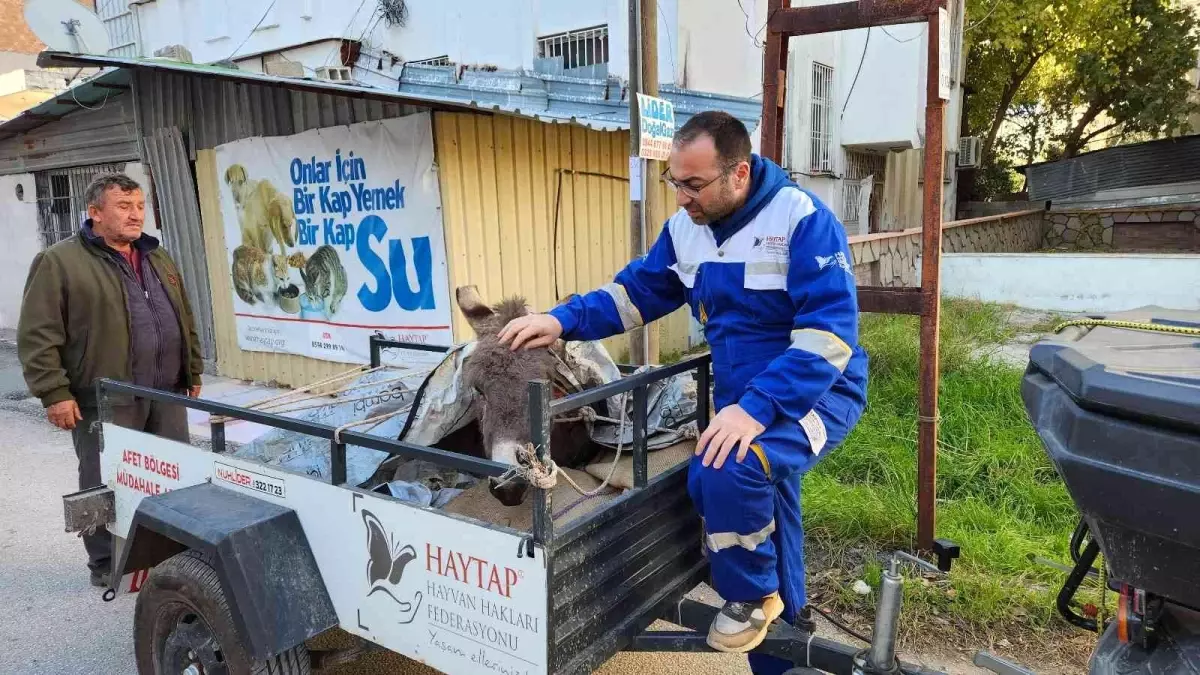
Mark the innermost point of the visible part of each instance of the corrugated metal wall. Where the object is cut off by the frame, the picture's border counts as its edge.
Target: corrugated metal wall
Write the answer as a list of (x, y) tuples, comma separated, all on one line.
[(211, 112), (104, 134), (175, 192), (903, 191), (902, 196), (502, 180), (1172, 160)]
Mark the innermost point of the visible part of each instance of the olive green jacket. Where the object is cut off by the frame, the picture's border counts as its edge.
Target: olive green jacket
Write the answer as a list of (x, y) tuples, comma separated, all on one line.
[(74, 324)]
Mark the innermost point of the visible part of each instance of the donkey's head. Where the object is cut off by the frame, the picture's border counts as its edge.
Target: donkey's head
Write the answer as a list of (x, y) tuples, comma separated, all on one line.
[(500, 375)]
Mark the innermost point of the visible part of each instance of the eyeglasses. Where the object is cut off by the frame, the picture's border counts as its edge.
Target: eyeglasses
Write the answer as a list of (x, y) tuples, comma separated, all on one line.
[(689, 190)]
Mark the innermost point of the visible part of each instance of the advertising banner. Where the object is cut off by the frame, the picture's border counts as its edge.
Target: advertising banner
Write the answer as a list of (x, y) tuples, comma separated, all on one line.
[(333, 235)]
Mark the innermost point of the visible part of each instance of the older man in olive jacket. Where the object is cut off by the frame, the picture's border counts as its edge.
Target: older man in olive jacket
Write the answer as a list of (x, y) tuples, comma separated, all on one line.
[(107, 302)]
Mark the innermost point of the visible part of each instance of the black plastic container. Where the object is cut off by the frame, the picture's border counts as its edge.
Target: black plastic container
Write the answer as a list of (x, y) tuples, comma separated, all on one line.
[(1118, 411)]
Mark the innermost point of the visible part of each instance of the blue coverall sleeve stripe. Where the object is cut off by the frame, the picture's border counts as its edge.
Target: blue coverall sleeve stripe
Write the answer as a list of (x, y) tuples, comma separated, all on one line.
[(820, 283), (645, 290)]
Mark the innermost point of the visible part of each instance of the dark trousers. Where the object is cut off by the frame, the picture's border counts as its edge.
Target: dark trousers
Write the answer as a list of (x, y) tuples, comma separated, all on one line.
[(160, 419)]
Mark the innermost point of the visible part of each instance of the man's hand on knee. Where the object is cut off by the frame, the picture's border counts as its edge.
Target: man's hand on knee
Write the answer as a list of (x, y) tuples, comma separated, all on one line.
[(64, 414), (731, 428)]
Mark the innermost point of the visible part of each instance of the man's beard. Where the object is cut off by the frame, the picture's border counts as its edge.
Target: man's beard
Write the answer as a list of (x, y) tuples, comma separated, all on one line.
[(720, 209)]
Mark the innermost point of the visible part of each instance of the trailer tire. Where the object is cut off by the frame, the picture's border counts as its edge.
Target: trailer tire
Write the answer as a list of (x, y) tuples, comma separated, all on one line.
[(182, 617)]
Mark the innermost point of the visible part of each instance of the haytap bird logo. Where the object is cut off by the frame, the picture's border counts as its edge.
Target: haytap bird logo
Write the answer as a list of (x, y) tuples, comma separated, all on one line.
[(386, 561), (836, 260)]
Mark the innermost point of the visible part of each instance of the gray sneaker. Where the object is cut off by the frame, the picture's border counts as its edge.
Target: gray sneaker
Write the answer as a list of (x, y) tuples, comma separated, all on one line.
[(99, 579)]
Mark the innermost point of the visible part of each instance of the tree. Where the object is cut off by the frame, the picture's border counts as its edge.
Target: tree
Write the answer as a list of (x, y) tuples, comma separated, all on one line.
[(1057, 74), (1007, 42), (1128, 72)]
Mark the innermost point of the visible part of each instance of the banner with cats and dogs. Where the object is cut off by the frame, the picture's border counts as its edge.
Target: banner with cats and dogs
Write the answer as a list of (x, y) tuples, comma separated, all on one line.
[(334, 235)]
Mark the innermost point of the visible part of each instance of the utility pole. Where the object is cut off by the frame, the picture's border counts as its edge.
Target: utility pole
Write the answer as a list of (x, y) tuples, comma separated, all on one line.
[(638, 345), (652, 205)]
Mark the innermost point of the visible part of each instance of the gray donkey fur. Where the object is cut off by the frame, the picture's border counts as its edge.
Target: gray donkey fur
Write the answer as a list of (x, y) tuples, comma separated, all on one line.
[(500, 375)]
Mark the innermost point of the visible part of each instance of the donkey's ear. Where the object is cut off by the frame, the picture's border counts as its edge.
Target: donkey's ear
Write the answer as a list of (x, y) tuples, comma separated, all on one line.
[(471, 305)]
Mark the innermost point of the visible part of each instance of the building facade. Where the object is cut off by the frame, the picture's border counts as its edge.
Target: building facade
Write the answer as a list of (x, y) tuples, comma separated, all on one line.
[(703, 45), (856, 121)]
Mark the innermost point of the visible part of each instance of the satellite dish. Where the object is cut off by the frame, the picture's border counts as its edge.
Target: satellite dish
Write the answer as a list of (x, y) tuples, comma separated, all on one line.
[(67, 26)]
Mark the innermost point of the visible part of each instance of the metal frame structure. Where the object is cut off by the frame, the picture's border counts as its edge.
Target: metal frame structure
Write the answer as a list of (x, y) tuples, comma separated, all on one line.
[(784, 21), (611, 573)]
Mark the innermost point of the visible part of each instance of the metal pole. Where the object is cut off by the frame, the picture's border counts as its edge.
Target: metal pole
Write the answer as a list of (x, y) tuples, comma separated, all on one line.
[(774, 78), (887, 619), (931, 253), (539, 435), (641, 471), (637, 168)]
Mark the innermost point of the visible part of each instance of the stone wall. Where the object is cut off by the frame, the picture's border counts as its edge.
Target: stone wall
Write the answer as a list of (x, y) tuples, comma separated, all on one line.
[(891, 258), (1167, 228)]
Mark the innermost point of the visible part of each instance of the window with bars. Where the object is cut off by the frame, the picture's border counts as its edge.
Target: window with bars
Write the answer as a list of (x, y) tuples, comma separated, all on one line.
[(119, 23), (443, 60), (576, 48), (821, 144), (60, 199), (860, 165)]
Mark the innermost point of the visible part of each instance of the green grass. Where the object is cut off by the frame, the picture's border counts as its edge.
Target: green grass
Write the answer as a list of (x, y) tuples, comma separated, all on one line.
[(998, 496)]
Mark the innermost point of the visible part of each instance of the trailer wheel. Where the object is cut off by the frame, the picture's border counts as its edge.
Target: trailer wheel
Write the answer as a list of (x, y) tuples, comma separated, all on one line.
[(182, 626)]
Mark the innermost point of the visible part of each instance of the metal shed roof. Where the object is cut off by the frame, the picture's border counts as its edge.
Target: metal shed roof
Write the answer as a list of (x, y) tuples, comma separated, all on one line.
[(1158, 162), (91, 93), (593, 104)]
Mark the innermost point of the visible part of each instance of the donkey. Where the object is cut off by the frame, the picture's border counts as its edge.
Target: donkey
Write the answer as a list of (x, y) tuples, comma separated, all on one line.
[(501, 376)]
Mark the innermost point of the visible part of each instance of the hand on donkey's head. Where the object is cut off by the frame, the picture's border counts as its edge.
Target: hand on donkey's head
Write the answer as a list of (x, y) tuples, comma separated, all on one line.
[(510, 321), (532, 331)]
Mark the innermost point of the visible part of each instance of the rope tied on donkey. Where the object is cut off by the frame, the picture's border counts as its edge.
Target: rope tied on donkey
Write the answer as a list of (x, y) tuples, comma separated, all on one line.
[(589, 415), (544, 474)]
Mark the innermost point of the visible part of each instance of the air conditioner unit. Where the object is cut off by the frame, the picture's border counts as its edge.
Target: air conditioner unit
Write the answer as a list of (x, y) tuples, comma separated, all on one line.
[(334, 74), (968, 151)]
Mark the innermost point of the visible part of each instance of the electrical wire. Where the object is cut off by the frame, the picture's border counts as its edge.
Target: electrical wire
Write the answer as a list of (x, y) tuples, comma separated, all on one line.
[(841, 626), (369, 30), (856, 635), (247, 38), (995, 4), (861, 60), (754, 36), (898, 40), (348, 24), (670, 38), (86, 107)]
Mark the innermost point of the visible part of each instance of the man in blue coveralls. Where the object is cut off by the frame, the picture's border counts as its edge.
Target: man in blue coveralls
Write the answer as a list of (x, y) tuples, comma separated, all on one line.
[(765, 268)]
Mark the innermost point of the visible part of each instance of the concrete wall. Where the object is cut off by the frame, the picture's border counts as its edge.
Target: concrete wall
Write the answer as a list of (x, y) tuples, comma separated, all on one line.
[(1075, 282), (708, 48), (1174, 228), (18, 221), (893, 258)]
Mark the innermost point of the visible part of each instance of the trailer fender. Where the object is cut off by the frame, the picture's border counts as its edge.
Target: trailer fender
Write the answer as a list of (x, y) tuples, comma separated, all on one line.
[(267, 570)]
